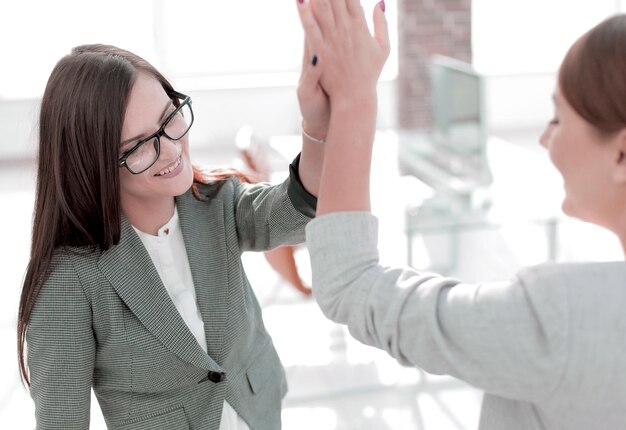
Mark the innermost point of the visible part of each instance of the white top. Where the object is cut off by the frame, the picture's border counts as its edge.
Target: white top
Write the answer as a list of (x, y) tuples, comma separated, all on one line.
[(168, 253)]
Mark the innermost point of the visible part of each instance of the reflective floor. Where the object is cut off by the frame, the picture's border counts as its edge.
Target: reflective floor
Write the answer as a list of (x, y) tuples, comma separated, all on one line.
[(336, 382)]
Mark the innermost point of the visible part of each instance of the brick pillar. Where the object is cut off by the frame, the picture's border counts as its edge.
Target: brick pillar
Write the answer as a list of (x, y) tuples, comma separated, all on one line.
[(427, 27)]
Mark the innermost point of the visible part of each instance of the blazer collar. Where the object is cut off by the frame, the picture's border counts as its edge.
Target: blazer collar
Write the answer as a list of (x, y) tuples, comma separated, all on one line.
[(204, 233), (132, 274)]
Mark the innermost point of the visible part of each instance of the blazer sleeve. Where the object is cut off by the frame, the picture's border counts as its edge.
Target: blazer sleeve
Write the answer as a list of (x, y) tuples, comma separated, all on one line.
[(268, 216), (61, 351), (507, 338)]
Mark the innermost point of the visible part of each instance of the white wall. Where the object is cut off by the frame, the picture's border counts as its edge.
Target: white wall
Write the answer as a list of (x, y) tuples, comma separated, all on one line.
[(18, 119), (215, 44), (519, 45), (219, 114), (516, 45), (519, 102)]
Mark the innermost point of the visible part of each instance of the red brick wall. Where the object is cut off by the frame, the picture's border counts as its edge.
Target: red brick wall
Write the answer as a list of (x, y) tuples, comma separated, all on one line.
[(427, 27)]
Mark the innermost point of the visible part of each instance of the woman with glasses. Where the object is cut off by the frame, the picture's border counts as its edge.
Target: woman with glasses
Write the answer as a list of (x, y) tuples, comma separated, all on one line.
[(546, 346), (135, 285)]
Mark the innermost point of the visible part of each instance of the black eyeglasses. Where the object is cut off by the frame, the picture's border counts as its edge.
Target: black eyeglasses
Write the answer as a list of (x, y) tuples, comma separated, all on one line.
[(145, 153)]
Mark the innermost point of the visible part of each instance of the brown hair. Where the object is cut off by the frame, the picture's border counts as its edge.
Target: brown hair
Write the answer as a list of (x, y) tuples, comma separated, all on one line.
[(77, 200), (592, 76)]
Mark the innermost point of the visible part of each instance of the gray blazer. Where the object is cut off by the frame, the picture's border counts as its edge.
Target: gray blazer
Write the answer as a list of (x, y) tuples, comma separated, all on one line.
[(105, 320), (548, 346)]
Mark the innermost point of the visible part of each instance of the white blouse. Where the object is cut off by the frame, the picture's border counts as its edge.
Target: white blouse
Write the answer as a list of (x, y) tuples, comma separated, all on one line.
[(168, 253)]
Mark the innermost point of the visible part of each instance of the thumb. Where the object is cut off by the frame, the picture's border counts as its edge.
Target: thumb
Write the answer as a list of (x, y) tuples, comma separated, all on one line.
[(310, 79), (381, 29), (306, 53), (310, 74)]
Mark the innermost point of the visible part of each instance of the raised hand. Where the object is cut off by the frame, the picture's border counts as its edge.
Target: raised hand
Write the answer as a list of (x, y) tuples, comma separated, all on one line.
[(349, 61), (314, 102), (350, 58)]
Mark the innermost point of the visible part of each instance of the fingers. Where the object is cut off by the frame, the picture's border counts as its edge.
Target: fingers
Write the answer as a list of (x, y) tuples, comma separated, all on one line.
[(354, 7), (309, 80), (381, 29), (323, 11), (312, 32), (340, 11), (309, 76), (306, 55)]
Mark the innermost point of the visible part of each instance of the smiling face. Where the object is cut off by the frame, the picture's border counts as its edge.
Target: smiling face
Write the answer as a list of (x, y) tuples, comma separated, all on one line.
[(171, 175), (590, 164)]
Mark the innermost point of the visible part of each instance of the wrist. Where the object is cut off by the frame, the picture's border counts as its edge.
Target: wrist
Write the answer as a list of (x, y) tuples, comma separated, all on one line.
[(314, 134), (355, 110), (354, 101)]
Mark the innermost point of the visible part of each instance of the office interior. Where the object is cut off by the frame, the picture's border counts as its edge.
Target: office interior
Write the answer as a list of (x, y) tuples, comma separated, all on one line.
[(239, 61)]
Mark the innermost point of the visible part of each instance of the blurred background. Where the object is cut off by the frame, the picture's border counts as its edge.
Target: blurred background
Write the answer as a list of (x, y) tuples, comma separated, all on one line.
[(462, 101)]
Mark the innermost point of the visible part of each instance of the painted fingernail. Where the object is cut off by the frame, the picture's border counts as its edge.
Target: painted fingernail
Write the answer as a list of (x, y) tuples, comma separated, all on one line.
[(300, 1), (382, 5), (314, 60)]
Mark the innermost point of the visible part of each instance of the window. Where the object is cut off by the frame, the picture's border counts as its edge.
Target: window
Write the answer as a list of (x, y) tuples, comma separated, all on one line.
[(242, 43), (196, 43), (532, 36), (37, 33)]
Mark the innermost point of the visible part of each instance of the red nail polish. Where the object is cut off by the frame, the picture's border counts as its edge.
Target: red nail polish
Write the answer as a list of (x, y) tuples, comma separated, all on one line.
[(382, 5), (300, 1)]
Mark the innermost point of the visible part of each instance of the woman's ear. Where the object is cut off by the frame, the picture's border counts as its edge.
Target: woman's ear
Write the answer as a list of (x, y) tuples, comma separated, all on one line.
[(619, 158)]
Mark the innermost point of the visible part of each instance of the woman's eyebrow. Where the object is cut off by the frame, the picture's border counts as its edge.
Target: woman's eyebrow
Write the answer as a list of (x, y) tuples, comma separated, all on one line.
[(163, 115)]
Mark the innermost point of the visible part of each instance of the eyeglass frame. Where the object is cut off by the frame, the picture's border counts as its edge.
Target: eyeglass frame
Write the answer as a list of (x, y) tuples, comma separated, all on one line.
[(186, 100)]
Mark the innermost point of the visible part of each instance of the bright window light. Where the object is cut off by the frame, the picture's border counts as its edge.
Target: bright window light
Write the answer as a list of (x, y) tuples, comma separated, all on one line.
[(512, 36), (37, 33), (203, 44)]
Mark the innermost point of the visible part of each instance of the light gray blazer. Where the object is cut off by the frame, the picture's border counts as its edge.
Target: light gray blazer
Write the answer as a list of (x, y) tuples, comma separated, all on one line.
[(548, 347), (104, 319)]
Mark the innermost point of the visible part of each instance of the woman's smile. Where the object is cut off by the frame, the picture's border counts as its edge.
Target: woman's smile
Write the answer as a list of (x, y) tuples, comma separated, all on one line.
[(173, 169)]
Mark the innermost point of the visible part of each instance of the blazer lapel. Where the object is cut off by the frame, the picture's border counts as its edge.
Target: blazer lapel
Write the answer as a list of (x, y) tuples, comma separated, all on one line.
[(132, 274), (205, 241)]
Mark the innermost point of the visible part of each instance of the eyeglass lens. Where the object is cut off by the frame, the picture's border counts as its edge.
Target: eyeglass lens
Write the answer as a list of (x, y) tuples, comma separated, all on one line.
[(176, 127)]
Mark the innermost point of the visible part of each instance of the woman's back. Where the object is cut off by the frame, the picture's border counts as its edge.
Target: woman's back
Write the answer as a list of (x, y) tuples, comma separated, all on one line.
[(590, 390)]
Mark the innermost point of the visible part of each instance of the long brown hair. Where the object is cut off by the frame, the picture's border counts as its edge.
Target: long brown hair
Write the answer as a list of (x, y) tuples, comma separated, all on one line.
[(592, 76), (77, 201)]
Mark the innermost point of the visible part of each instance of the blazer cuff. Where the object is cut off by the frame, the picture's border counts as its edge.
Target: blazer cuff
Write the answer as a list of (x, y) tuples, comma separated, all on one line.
[(302, 200)]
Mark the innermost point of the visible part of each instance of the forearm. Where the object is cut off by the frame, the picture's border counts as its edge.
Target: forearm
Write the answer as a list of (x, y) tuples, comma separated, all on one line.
[(504, 337), (347, 160), (267, 216)]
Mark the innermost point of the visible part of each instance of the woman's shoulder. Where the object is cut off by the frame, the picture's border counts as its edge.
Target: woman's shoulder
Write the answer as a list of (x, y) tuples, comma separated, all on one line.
[(71, 255), (575, 282), (222, 189), (73, 262), (66, 272), (211, 183), (575, 272)]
